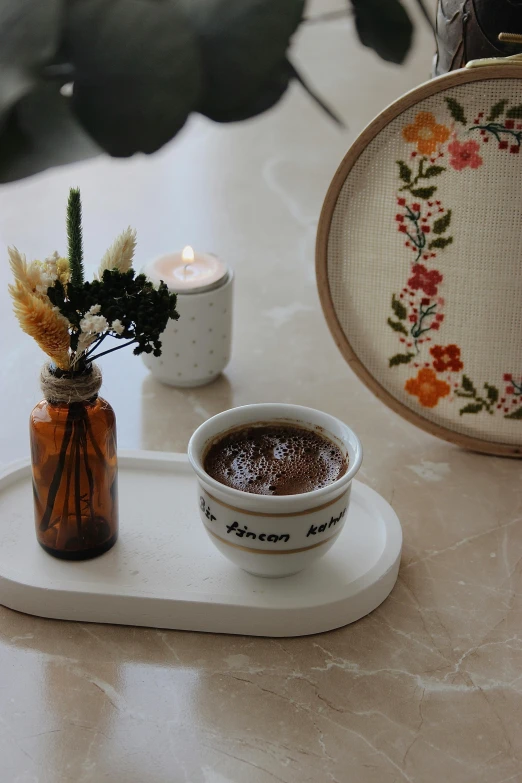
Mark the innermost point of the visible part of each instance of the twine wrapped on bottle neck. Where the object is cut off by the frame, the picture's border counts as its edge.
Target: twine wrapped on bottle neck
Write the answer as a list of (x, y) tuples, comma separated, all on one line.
[(66, 388)]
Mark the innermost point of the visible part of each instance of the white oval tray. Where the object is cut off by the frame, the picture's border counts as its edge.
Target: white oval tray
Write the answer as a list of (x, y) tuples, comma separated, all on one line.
[(164, 572)]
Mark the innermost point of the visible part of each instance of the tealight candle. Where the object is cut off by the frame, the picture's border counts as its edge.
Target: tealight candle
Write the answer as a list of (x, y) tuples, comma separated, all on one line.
[(188, 272), (195, 349)]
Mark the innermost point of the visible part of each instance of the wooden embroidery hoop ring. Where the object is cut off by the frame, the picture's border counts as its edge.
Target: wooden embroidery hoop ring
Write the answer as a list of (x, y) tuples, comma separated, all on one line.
[(464, 76)]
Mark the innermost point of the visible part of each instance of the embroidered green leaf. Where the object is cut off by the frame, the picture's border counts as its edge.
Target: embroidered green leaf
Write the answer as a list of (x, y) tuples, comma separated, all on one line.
[(401, 358), (492, 392), (441, 242), (467, 385), (404, 171), (515, 415), (433, 171), (473, 407), (424, 192), (456, 110), (515, 113), (397, 326), (442, 224), (497, 110), (399, 309)]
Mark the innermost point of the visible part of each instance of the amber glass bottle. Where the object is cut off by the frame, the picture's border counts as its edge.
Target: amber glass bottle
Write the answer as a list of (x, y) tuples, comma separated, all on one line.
[(73, 450)]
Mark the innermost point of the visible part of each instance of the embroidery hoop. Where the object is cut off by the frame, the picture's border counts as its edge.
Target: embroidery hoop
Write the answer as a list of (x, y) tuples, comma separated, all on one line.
[(324, 263)]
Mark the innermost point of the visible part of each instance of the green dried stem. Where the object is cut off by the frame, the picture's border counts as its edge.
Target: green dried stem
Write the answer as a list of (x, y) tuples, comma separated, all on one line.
[(74, 236)]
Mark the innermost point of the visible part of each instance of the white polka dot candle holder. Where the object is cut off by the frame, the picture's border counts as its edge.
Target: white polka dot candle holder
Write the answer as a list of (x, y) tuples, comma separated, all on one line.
[(196, 348)]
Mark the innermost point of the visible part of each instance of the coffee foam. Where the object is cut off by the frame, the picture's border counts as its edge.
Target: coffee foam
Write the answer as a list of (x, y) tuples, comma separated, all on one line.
[(275, 460)]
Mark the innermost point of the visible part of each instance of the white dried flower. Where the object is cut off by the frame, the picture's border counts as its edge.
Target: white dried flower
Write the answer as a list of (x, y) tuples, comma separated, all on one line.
[(47, 280), (46, 273), (51, 262), (93, 324), (117, 326), (94, 310), (57, 267)]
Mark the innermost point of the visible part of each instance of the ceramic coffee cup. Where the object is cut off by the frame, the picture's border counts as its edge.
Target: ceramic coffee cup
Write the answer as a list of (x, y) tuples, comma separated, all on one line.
[(273, 535)]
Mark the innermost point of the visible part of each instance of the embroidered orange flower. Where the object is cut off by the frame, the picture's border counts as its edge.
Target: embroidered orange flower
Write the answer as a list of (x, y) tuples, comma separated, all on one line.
[(427, 388), (426, 133)]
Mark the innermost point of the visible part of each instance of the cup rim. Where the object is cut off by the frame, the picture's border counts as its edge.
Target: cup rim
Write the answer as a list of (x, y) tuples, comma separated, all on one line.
[(288, 412)]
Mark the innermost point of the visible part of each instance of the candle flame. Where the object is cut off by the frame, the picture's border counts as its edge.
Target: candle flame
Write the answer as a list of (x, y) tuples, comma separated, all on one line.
[(187, 255)]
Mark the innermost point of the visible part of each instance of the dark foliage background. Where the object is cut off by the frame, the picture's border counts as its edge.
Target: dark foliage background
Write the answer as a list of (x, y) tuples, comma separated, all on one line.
[(80, 77)]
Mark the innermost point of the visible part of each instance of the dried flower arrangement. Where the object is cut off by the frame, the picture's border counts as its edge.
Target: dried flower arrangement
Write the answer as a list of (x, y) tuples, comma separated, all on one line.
[(69, 317), (73, 431)]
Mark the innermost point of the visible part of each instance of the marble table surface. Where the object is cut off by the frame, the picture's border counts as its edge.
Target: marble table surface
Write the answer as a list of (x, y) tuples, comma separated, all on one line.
[(426, 688)]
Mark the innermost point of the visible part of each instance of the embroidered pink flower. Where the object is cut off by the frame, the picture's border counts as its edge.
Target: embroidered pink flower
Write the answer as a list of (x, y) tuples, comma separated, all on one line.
[(464, 154), (425, 280)]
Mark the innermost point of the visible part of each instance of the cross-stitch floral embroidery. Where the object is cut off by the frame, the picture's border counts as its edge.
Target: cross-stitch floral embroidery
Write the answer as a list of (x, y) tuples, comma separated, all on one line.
[(426, 133), (464, 154), (425, 279), (427, 388), (425, 223), (446, 358)]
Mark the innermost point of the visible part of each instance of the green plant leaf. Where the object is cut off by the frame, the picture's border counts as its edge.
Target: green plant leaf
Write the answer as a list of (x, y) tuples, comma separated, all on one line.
[(424, 193), (137, 71), (397, 326), (405, 172), (515, 415), (440, 242), (401, 358), (515, 113), (398, 308), (30, 33), (467, 385), (433, 171), (290, 70), (243, 48), (456, 111), (41, 132), (385, 27), (473, 407), (492, 392), (442, 224), (496, 110)]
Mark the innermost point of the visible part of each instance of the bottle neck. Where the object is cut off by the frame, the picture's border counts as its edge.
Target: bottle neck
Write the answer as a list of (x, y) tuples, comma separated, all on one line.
[(66, 387)]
